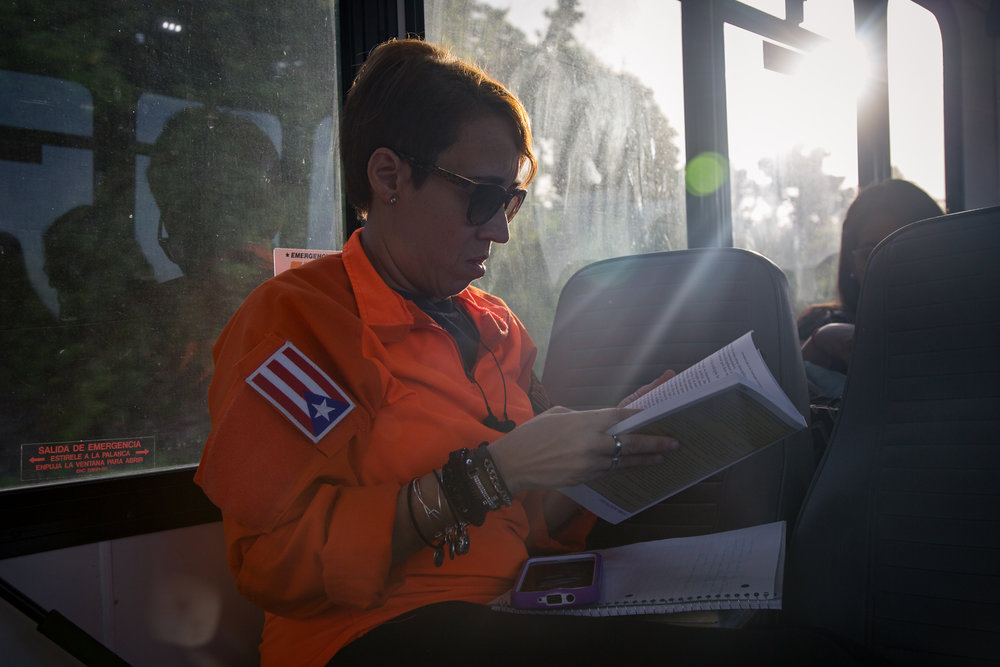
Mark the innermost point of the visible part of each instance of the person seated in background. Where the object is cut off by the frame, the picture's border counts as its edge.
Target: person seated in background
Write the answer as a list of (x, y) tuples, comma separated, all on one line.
[(29, 340), (95, 265), (827, 330), (215, 179), (102, 281)]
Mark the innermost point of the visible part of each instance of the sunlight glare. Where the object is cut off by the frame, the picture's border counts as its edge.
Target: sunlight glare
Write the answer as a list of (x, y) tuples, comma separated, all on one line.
[(842, 68)]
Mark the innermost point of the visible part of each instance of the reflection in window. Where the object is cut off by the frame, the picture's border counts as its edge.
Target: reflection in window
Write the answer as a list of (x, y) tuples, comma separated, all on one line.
[(68, 111), (148, 184), (215, 179), (30, 168), (601, 82), (793, 156), (48, 190), (325, 198), (249, 136)]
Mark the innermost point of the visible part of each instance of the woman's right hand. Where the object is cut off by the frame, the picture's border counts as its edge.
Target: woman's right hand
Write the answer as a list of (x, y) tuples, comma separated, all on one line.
[(563, 447)]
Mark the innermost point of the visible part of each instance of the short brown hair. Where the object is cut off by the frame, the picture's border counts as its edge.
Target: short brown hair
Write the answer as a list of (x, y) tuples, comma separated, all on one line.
[(413, 97)]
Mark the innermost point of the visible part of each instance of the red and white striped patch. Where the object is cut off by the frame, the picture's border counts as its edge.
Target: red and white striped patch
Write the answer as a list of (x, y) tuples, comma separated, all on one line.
[(302, 392)]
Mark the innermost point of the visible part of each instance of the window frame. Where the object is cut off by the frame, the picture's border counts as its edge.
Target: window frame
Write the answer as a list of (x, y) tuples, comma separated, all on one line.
[(57, 516), (710, 219), (43, 518), (954, 147)]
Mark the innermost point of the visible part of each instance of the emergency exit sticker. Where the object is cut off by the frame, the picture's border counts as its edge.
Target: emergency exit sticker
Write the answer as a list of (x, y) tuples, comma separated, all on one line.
[(290, 258), (51, 461)]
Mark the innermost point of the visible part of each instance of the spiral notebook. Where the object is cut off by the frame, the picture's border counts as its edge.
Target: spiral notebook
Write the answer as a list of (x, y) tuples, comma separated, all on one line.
[(736, 569)]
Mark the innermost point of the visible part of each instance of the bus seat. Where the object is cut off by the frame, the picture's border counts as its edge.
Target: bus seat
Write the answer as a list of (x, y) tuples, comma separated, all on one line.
[(621, 322), (897, 545)]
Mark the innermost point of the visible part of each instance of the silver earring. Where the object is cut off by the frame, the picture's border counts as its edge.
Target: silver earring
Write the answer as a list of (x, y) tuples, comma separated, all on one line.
[(392, 200)]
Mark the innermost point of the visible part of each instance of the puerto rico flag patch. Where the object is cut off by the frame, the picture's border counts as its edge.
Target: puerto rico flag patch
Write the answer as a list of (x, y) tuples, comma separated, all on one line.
[(301, 391)]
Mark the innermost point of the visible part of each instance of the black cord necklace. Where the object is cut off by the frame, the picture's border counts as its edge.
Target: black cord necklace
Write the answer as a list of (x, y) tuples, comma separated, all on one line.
[(505, 425), (454, 320)]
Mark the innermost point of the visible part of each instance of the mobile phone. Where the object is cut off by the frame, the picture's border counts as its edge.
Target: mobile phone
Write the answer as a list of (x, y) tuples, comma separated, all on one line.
[(551, 582)]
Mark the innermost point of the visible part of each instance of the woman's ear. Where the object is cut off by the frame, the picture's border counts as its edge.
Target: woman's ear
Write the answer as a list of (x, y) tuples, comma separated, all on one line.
[(385, 174)]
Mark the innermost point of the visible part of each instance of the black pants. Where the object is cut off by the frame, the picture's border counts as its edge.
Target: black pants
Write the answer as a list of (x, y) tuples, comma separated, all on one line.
[(470, 635)]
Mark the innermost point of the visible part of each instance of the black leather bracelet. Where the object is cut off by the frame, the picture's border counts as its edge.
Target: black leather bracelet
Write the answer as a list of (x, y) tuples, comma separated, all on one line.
[(480, 485), (485, 459), (461, 490)]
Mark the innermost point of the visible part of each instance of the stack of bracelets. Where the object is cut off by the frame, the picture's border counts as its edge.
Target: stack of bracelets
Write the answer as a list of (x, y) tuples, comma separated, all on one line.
[(471, 487)]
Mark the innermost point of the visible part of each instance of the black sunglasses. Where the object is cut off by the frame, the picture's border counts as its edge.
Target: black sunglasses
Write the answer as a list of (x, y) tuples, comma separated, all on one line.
[(485, 199)]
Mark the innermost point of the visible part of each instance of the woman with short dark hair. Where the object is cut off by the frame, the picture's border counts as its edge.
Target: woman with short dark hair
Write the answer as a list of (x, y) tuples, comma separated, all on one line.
[(380, 442)]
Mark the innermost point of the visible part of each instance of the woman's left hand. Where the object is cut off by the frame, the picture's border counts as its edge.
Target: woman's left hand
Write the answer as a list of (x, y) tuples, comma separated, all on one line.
[(563, 447)]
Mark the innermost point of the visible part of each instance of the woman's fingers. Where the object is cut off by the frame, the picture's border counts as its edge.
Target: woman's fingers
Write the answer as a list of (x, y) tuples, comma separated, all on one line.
[(638, 449), (563, 447), (666, 375)]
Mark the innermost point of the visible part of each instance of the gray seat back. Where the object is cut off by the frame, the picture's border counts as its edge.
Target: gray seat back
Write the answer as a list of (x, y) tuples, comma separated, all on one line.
[(898, 543), (621, 322)]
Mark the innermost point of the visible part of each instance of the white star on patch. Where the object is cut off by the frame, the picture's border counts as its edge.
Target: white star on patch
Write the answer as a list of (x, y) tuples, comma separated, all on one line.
[(323, 409)]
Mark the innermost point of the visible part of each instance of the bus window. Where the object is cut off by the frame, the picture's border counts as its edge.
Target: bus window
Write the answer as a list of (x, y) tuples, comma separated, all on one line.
[(602, 85), (916, 97), (154, 160), (325, 197), (793, 149), (85, 242)]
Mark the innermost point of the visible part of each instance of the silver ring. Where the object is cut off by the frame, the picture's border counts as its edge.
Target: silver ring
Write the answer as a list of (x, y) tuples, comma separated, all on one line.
[(616, 458)]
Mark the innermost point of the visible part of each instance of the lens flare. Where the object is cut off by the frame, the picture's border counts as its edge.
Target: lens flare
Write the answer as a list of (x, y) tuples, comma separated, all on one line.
[(705, 173)]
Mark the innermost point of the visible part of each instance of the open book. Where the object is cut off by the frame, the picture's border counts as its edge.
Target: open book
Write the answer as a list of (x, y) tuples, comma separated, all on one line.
[(722, 409), (736, 569)]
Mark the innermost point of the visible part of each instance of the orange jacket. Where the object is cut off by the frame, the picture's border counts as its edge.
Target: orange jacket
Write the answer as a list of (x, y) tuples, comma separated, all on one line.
[(309, 526)]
